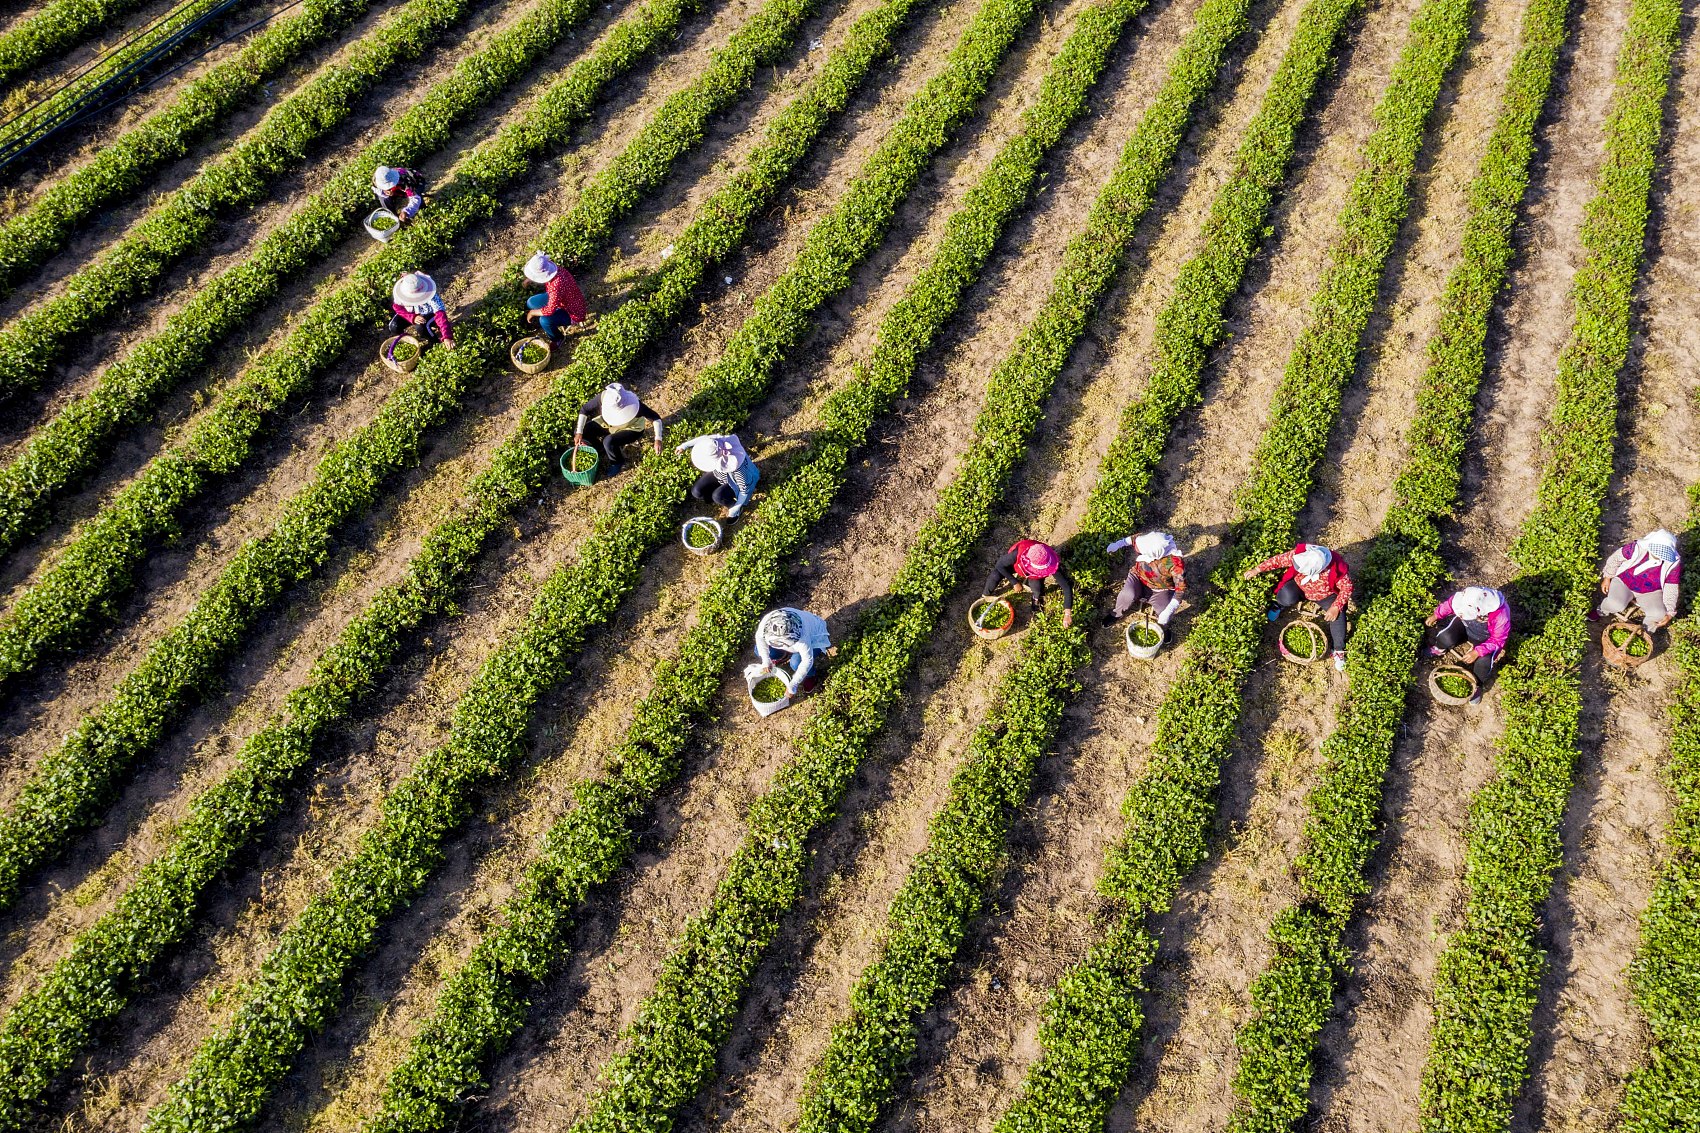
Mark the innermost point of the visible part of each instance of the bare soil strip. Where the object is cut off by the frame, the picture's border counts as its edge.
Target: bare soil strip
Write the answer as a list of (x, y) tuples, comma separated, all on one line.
[(1369, 1057), (1588, 1033)]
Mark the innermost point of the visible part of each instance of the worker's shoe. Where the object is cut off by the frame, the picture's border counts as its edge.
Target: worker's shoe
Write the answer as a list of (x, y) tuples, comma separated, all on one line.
[(1274, 614), (1340, 659)]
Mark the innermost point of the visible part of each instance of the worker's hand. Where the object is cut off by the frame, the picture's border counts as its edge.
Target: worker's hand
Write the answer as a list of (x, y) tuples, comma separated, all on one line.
[(1248, 574), (578, 439), (532, 316), (1655, 627), (449, 342), (418, 320), (1068, 618), (1605, 586), (657, 446), (1431, 620), (1470, 653)]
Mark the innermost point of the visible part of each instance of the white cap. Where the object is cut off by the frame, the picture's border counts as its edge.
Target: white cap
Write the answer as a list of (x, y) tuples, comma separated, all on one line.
[(385, 179), (716, 452), (1313, 560), (413, 289), (619, 405), (1152, 546), (540, 268), (1660, 544), (1475, 602)]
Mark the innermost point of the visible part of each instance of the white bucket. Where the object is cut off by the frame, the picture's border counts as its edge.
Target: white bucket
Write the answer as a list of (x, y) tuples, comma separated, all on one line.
[(754, 674), (382, 235), (1144, 652)]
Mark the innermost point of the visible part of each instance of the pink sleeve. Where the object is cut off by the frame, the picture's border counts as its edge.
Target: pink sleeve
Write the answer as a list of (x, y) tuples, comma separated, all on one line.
[(1444, 610), (441, 318), (1499, 631)]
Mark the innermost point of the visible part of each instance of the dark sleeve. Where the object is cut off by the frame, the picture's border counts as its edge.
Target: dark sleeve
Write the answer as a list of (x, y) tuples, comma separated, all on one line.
[(1066, 585), (592, 407), (1002, 571), (646, 413)]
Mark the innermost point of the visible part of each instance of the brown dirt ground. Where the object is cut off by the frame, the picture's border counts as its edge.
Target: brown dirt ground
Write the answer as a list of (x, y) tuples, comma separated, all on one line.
[(1588, 1032), (1372, 1057)]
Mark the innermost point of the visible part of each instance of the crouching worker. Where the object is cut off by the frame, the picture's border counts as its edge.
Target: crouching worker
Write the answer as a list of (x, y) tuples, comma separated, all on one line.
[(402, 191), (796, 638), (1478, 619), (1157, 577), (1312, 573), (728, 475), (601, 419), (1647, 572), (417, 306), (1031, 562), (561, 304)]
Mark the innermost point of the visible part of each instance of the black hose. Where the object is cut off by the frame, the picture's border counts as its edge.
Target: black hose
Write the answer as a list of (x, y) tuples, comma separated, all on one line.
[(43, 121)]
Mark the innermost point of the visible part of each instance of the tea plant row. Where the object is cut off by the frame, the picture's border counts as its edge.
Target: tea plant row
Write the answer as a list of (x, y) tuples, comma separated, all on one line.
[(1663, 1094), (122, 165), (59, 26), (483, 1004), (300, 983), (179, 225), (670, 1050), (1092, 1023), (1488, 976), (1293, 997), (98, 563)]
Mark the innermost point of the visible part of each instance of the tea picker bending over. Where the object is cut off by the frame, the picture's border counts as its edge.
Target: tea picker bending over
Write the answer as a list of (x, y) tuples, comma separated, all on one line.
[(561, 303), (728, 475), (1156, 578), (1313, 573), (1647, 572), (416, 304), (601, 418), (1031, 562), (794, 637), (1479, 619), (402, 191)]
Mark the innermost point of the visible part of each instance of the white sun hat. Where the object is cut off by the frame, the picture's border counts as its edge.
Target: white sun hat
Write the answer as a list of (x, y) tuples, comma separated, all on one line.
[(1153, 545), (619, 405), (414, 289), (1475, 602), (540, 268), (1312, 561), (1661, 544), (716, 452), (385, 179)]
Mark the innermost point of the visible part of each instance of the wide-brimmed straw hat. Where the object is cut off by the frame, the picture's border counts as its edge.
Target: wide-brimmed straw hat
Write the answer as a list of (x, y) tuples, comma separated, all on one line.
[(1474, 603), (717, 452), (413, 289), (384, 178), (619, 405), (540, 268)]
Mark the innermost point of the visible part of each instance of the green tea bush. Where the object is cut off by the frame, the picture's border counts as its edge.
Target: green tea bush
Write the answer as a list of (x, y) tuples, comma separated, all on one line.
[(1488, 976)]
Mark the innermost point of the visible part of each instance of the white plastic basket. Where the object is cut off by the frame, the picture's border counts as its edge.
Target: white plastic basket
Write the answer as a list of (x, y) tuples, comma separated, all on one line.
[(382, 235), (754, 674)]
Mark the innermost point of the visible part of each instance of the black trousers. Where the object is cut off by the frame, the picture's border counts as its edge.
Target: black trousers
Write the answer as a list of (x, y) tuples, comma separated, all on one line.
[(1456, 631), (610, 442), (708, 487), (1289, 595), (401, 324)]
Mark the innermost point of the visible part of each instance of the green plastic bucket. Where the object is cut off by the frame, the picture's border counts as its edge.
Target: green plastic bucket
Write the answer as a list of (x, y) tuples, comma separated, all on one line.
[(586, 477)]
